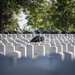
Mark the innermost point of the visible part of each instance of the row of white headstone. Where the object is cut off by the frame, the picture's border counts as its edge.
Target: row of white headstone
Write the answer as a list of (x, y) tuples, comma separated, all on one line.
[(19, 45)]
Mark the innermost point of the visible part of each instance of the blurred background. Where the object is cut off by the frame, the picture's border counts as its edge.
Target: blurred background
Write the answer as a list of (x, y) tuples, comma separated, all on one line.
[(45, 15)]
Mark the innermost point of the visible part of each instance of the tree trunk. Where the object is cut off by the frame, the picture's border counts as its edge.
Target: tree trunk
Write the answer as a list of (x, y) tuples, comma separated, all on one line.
[(1, 17), (1, 25)]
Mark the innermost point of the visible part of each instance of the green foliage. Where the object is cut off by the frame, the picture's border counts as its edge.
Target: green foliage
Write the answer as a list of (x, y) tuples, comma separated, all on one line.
[(63, 16), (7, 7), (44, 14), (37, 16), (54, 14), (30, 7)]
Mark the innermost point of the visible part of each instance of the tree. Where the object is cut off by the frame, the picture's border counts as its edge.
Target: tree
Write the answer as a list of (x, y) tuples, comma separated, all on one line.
[(63, 16), (7, 7), (36, 14), (40, 13)]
